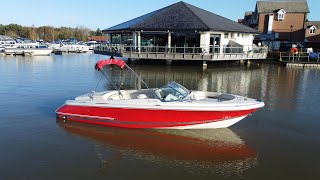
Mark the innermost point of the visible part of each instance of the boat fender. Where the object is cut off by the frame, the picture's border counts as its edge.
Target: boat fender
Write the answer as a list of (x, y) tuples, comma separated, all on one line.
[(65, 118), (294, 50)]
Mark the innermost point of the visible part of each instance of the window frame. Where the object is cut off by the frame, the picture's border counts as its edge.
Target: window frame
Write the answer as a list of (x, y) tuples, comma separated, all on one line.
[(281, 15), (312, 30), (226, 35)]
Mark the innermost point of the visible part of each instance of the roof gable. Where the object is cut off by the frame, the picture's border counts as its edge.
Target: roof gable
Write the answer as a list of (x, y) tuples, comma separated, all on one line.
[(290, 6), (316, 24), (176, 16), (182, 16), (313, 27), (281, 11)]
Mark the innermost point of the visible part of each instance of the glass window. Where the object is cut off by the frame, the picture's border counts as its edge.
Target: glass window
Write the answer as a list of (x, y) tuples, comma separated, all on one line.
[(280, 16), (172, 92), (185, 39), (154, 39), (312, 30), (115, 38), (226, 35)]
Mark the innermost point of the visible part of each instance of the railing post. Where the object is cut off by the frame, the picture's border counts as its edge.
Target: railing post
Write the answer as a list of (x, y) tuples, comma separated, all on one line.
[(157, 49), (289, 56), (212, 52)]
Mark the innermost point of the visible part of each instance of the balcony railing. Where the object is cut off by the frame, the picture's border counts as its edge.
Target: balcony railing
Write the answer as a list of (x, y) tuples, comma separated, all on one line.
[(183, 53)]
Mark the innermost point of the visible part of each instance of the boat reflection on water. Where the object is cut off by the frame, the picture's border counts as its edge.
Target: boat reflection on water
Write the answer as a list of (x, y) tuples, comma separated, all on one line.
[(213, 150)]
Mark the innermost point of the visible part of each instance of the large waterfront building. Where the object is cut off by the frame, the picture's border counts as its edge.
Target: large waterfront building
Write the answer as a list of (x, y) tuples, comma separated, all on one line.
[(185, 28)]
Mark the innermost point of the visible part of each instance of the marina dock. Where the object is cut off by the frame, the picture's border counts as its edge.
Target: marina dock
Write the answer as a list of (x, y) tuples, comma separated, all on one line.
[(300, 59)]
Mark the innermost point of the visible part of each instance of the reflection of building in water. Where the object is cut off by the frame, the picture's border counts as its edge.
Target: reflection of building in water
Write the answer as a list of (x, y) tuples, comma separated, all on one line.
[(230, 80), (201, 151), (281, 86), (265, 82)]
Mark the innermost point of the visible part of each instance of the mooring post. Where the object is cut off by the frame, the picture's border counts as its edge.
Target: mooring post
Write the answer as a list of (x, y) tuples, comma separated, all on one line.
[(204, 65), (168, 61)]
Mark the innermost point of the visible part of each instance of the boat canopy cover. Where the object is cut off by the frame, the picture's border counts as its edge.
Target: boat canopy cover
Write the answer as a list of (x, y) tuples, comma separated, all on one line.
[(100, 64)]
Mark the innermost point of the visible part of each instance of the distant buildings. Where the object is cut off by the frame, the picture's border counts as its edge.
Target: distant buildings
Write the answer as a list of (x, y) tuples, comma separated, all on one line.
[(281, 21), (313, 31)]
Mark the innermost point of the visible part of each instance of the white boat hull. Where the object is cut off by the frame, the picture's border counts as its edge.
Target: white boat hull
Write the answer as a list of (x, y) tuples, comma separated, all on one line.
[(28, 51)]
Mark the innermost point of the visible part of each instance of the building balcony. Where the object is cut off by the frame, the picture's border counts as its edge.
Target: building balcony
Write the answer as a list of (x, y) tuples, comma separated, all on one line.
[(211, 53)]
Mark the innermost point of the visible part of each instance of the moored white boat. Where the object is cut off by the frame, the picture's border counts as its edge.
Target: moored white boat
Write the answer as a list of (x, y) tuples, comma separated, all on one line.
[(6, 41), (74, 48), (28, 49), (169, 107)]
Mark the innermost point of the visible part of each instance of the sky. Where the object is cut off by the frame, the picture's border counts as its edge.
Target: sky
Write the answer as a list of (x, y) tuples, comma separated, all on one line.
[(103, 14)]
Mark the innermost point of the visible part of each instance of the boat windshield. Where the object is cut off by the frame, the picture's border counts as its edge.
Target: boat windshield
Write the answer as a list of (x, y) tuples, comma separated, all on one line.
[(172, 92)]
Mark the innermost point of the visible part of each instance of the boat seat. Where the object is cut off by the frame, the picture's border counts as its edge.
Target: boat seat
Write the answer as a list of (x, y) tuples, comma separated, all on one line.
[(142, 96), (160, 94)]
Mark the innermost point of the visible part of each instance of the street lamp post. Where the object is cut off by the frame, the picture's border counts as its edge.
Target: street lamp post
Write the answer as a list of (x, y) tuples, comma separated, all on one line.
[(291, 33)]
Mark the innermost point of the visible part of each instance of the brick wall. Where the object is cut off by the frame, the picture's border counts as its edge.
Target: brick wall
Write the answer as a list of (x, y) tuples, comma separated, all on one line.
[(313, 37), (297, 20)]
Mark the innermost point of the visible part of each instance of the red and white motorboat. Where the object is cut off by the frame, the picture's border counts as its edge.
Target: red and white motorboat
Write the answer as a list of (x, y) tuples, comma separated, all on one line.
[(169, 107)]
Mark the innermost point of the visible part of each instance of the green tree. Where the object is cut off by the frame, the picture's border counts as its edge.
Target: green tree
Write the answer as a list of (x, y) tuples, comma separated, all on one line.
[(32, 33), (98, 32), (81, 33), (16, 30), (47, 33), (2, 29), (65, 33)]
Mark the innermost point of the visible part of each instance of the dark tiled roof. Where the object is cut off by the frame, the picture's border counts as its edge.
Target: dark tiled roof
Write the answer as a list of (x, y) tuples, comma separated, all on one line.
[(248, 15), (182, 16), (290, 6), (313, 23)]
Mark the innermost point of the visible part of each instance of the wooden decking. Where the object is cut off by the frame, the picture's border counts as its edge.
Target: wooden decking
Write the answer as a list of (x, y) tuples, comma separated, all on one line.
[(182, 53)]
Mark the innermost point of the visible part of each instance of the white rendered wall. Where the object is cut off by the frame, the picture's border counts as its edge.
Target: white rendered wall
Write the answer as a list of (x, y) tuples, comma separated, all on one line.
[(205, 41), (246, 40)]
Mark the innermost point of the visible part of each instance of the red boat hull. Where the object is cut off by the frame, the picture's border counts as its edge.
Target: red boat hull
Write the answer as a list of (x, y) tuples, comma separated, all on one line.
[(145, 118)]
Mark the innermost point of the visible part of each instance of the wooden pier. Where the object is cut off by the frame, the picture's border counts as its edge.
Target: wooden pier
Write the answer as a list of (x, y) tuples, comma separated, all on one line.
[(303, 65), (182, 53)]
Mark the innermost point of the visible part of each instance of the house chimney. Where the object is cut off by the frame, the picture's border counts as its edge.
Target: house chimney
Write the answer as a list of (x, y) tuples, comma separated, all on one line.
[(270, 23)]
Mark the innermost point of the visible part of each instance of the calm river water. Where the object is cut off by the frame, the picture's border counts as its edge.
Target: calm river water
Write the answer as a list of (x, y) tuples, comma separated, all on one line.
[(281, 141)]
